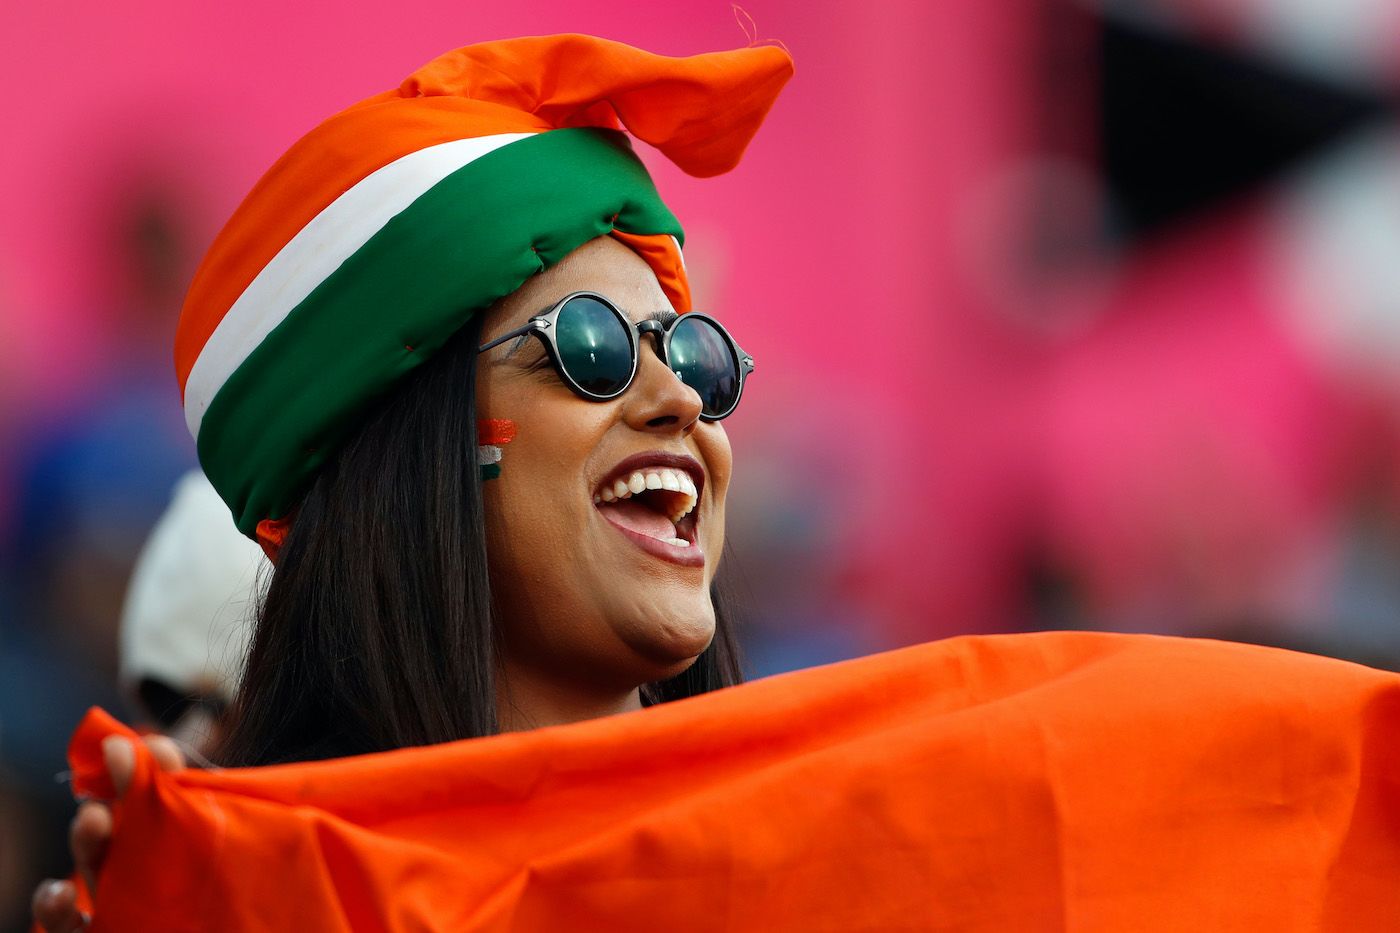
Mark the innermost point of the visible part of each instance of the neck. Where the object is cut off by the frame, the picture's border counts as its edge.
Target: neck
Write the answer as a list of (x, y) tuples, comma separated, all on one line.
[(525, 700)]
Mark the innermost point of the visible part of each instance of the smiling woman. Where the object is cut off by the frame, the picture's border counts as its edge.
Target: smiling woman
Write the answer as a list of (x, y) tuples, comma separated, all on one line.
[(611, 603), (413, 604), (343, 366)]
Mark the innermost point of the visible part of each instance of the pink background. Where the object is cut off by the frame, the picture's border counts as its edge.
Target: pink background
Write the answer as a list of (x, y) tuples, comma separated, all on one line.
[(920, 436)]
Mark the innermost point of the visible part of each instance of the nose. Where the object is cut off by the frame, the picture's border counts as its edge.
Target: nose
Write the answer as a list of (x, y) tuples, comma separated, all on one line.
[(657, 401)]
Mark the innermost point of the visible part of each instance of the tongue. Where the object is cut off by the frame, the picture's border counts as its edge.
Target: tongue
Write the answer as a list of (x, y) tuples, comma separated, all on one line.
[(632, 515)]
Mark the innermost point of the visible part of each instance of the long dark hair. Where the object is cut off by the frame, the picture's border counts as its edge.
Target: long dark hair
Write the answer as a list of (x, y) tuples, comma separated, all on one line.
[(376, 631)]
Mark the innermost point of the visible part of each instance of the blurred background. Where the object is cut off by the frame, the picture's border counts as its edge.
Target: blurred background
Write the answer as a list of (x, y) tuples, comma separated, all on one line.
[(1068, 314)]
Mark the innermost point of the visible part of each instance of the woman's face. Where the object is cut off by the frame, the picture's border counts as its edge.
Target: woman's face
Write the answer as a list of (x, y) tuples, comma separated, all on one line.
[(590, 589)]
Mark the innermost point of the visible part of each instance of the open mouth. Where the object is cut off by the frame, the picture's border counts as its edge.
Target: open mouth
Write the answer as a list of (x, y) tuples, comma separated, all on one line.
[(652, 499)]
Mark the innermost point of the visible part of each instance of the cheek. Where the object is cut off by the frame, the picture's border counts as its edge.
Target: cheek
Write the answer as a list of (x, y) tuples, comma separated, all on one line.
[(529, 527), (719, 464), (505, 485), (535, 507), (533, 490)]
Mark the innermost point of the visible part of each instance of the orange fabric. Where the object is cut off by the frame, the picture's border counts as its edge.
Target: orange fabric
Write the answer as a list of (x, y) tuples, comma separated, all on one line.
[(661, 253), (272, 534), (700, 111), (1036, 782)]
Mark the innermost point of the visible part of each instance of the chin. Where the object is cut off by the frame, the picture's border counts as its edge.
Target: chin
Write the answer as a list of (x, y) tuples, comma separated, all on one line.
[(673, 645), (675, 670)]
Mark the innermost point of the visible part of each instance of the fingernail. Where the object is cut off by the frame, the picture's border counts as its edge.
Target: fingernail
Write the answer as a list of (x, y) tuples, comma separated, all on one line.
[(50, 890)]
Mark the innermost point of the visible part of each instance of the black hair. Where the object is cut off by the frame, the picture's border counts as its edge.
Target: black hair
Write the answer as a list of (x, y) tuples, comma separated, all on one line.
[(376, 630)]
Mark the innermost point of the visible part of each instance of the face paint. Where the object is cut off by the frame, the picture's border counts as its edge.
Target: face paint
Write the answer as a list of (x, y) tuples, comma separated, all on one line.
[(491, 435)]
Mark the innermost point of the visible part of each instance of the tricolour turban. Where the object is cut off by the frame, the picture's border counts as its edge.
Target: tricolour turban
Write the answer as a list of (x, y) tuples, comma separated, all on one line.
[(380, 232)]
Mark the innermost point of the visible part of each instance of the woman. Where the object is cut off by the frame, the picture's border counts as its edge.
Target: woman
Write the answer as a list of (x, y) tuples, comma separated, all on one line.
[(1039, 781), (471, 278), (595, 602)]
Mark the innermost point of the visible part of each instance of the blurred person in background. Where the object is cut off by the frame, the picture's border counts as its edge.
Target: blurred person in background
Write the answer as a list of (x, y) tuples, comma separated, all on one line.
[(188, 617)]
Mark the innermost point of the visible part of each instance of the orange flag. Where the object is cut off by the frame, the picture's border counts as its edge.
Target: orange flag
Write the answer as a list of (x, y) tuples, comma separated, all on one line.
[(1029, 782)]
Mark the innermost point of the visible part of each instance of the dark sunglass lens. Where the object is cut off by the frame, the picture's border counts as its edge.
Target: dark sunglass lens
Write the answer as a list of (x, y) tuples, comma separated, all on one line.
[(701, 356), (595, 347)]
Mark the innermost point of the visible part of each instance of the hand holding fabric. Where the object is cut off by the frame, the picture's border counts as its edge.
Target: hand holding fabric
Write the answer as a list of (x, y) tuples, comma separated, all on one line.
[(58, 905)]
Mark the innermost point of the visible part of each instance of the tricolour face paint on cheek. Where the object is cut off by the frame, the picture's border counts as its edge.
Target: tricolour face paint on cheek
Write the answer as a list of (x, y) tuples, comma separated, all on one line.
[(491, 435)]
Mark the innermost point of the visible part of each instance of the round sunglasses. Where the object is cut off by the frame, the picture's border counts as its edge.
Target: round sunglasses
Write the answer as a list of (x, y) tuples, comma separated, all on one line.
[(594, 348)]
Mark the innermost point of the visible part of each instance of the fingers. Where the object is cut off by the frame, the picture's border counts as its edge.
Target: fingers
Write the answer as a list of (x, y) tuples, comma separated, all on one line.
[(88, 836), (55, 903), (120, 756), (55, 907), (166, 752)]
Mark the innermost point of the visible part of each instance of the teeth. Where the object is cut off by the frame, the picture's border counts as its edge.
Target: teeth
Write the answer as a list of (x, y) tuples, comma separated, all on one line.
[(678, 542), (670, 480)]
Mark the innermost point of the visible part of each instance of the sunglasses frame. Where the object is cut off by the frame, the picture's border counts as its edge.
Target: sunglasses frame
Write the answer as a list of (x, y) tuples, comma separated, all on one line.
[(544, 326)]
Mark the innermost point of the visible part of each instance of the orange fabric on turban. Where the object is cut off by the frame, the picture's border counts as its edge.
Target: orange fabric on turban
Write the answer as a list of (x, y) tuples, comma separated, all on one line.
[(1032, 782)]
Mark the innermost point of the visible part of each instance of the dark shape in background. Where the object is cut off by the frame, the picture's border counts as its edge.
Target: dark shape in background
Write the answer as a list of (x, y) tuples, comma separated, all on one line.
[(1186, 126)]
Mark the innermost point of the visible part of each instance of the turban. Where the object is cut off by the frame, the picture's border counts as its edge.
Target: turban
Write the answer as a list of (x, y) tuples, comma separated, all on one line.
[(380, 232)]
